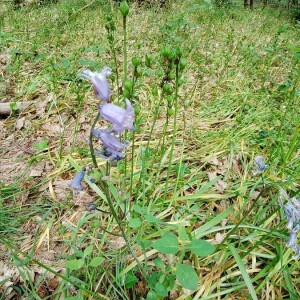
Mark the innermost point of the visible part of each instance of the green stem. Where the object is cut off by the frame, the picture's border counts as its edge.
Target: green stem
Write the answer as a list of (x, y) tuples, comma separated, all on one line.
[(145, 156), (91, 141), (116, 66), (125, 48), (132, 164), (174, 129), (121, 227)]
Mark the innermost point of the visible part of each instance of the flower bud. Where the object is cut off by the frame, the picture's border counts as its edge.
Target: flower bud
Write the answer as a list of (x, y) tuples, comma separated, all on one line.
[(155, 91), (171, 55), (109, 18), (139, 72), (128, 85), (182, 63), (126, 94), (148, 60), (160, 73), (166, 88), (171, 76), (166, 52), (179, 52), (170, 100), (124, 8), (170, 112), (136, 61), (180, 82)]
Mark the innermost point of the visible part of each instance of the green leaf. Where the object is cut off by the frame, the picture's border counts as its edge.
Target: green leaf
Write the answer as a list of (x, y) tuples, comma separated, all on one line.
[(201, 247), (96, 261), (244, 272), (182, 233), (130, 280), (168, 244), (135, 223), (41, 145), (151, 296), (74, 264), (159, 263), (160, 289), (187, 276), (152, 219), (13, 106), (88, 250)]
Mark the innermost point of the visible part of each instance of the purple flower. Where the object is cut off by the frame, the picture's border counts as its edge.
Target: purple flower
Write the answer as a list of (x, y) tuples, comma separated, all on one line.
[(260, 165), (292, 241), (112, 148), (292, 213), (109, 140), (75, 184), (120, 118), (109, 154), (101, 86)]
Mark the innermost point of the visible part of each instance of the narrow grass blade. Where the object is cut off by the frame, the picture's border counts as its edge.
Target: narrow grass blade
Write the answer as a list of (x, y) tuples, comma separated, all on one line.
[(243, 271)]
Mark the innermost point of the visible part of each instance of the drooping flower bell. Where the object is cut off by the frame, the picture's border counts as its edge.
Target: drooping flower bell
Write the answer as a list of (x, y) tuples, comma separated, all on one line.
[(120, 118), (112, 148), (75, 184), (99, 81), (260, 165)]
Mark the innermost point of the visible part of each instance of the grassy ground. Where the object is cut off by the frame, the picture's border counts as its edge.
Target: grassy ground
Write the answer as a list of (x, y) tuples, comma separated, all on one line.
[(239, 99)]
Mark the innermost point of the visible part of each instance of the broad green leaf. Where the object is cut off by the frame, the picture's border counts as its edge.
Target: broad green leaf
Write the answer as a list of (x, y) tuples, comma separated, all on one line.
[(74, 264), (160, 289), (96, 261), (153, 278), (168, 244), (88, 250), (151, 296), (201, 247), (187, 276), (130, 280), (135, 223)]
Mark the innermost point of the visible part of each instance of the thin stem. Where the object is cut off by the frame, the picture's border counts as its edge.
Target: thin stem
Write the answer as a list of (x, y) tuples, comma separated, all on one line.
[(91, 141), (116, 66), (132, 163), (174, 129), (115, 216), (143, 171), (125, 48)]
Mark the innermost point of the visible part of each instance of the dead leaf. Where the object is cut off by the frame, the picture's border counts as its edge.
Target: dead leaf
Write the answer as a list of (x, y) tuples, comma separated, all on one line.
[(214, 161), (117, 243), (52, 128), (38, 170), (20, 123)]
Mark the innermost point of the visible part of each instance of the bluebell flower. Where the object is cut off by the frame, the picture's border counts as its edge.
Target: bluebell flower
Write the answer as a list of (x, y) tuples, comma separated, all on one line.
[(120, 118), (292, 213), (109, 154), (112, 148), (260, 165), (109, 140), (292, 241), (99, 81), (75, 184)]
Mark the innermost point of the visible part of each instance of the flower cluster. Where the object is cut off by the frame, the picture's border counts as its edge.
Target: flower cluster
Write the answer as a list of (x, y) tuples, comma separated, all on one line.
[(120, 119), (292, 213)]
